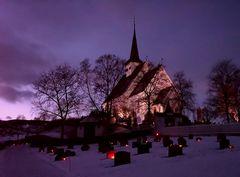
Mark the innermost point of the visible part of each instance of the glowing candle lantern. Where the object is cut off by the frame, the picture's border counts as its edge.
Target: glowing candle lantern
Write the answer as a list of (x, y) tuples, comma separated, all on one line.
[(198, 139), (111, 155)]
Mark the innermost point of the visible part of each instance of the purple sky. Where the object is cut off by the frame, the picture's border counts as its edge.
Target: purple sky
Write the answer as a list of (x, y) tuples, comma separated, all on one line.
[(38, 34)]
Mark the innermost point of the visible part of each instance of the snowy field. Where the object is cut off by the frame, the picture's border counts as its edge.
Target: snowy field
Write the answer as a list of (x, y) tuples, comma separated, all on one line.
[(200, 159)]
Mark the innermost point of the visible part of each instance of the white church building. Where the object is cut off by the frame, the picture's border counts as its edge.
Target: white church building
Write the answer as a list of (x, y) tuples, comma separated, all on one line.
[(141, 89)]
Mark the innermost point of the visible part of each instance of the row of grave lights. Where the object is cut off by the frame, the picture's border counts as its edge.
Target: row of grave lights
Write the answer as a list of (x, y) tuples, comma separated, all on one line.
[(173, 150), (143, 146)]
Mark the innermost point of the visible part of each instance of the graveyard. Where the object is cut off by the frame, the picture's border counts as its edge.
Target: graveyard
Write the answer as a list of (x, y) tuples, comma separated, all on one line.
[(150, 156)]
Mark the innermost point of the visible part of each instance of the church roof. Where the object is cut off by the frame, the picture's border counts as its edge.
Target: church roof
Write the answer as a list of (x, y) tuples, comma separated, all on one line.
[(124, 84), (145, 81), (134, 56), (163, 95)]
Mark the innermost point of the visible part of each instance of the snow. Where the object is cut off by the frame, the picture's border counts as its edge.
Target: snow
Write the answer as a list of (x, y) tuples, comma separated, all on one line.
[(200, 159)]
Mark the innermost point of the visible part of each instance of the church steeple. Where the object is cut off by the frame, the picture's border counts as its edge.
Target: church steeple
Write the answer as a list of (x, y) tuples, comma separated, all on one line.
[(134, 56)]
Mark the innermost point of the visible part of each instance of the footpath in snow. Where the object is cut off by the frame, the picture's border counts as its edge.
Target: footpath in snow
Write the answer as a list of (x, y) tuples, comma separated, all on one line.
[(22, 161)]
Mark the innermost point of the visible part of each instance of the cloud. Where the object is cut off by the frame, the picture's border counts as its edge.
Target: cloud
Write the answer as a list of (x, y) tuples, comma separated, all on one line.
[(21, 62), (13, 95)]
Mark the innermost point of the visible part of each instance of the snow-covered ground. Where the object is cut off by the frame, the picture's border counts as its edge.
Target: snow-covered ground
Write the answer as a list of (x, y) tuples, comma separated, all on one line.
[(200, 159)]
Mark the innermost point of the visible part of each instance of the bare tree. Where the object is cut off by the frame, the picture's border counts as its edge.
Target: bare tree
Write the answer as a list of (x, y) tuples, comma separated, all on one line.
[(153, 82), (150, 92), (87, 79), (108, 70), (223, 92), (57, 93), (184, 87)]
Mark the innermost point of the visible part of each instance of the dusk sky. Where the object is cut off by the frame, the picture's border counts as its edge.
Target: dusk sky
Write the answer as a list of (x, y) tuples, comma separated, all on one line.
[(35, 35)]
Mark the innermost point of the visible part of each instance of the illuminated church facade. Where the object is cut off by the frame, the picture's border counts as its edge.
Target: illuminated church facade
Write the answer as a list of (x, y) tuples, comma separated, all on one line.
[(141, 89)]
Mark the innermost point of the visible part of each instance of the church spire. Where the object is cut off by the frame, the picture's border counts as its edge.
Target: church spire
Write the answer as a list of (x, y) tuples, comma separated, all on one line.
[(134, 56)]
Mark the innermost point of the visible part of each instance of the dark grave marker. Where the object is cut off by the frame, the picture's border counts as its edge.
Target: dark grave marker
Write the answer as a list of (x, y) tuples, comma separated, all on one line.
[(190, 136), (174, 150), (143, 148), (135, 144), (149, 144), (220, 137), (70, 146), (182, 141), (144, 139), (105, 147), (123, 142), (113, 142), (69, 153), (41, 149), (85, 147), (139, 139), (121, 158), (51, 149), (224, 143), (167, 141), (60, 157), (58, 151), (2, 146)]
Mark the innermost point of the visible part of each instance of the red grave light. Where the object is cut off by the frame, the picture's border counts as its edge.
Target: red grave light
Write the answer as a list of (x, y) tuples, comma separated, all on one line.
[(111, 155)]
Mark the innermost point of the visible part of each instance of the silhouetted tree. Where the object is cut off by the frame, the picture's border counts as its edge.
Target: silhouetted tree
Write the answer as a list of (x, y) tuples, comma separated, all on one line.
[(184, 87), (87, 80), (107, 72), (150, 92), (224, 88), (57, 93), (21, 117)]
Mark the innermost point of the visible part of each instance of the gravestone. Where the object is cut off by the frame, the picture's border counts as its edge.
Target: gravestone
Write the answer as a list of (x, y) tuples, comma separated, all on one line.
[(190, 136), (60, 157), (41, 149), (135, 144), (59, 151), (121, 158), (123, 142), (51, 149), (223, 141), (70, 146), (105, 147), (85, 147), (143, 148), (182, 141), (174, 150), (220, 137), (69, 153), (167, 141)]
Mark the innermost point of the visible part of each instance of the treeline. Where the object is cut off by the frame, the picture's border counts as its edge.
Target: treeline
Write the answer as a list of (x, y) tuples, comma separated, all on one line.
[(66, 91)]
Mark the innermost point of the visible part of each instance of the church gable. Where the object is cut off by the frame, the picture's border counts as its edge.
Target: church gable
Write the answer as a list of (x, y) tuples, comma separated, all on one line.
[(143, 83), (154, 80), (124, 83)]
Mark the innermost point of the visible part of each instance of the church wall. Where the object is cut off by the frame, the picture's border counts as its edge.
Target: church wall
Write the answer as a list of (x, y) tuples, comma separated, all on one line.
[(136, 105)]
